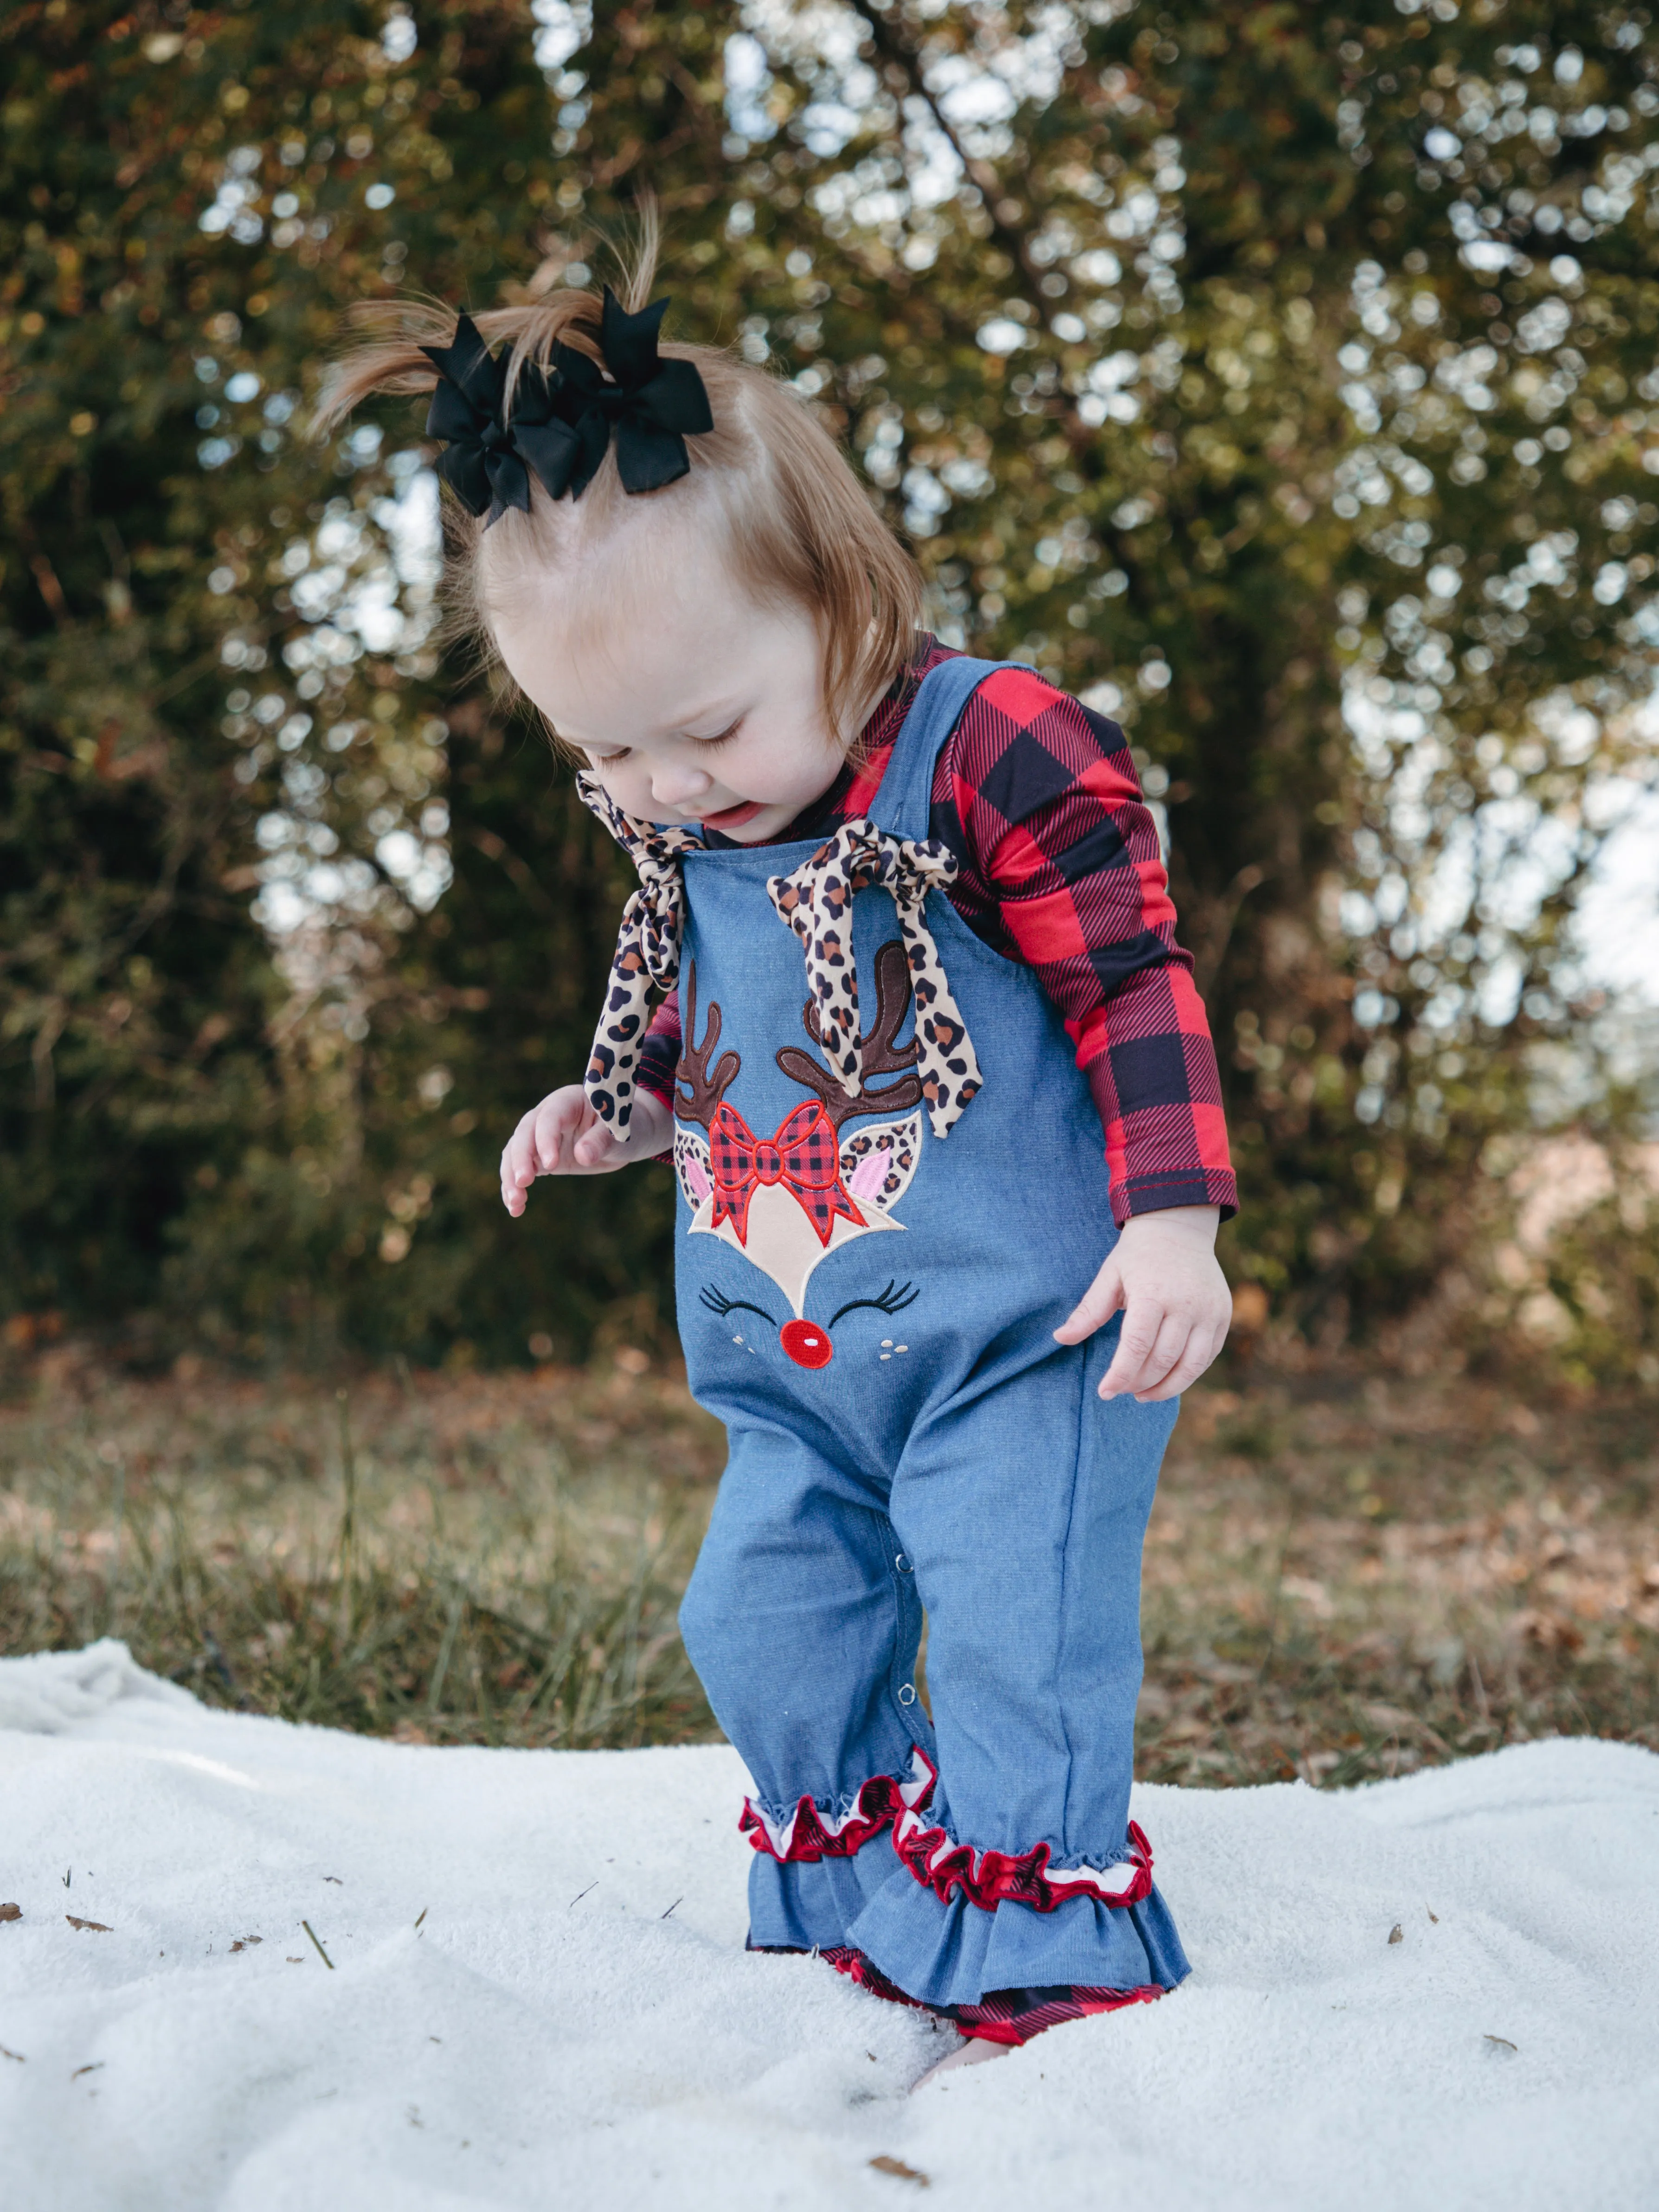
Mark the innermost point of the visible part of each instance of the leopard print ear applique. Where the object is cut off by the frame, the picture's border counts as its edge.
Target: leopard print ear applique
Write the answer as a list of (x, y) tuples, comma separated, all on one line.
[(816, 900)]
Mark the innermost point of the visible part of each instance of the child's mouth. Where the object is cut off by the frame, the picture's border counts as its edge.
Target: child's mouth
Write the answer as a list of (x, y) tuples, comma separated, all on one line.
[(733, 818)]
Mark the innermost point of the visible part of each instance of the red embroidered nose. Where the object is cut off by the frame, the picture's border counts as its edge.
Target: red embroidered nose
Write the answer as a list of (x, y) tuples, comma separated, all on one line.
[(807, 1344)]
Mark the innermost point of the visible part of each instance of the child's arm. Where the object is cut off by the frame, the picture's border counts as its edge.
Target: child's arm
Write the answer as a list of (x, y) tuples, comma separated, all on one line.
[(564, 1136), (1057, 846)]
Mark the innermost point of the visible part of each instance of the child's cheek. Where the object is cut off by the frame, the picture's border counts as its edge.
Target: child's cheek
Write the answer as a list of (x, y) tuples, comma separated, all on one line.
[(630, 790)]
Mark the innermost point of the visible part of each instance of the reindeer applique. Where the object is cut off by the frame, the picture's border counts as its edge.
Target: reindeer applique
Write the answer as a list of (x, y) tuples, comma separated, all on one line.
[(788, 1200)]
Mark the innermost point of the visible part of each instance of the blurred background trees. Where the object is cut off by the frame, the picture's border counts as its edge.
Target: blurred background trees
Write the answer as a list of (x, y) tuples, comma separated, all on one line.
[(1281, 377)]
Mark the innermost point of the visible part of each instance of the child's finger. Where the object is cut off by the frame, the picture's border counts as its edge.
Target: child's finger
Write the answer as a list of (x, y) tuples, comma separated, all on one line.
[(592, 1147), (1142, 1320), (555, 1119), (513, 1189), (1199, 1349), (1159, 1356), (1095, 1308), (1168, 1350), (519, 1155)]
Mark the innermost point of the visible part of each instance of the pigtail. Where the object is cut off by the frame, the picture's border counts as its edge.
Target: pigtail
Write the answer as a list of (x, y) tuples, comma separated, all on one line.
[(391, 360)]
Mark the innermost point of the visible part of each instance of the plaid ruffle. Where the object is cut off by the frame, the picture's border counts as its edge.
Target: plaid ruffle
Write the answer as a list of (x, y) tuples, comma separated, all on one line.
[(809, 1834), (989, 1879)]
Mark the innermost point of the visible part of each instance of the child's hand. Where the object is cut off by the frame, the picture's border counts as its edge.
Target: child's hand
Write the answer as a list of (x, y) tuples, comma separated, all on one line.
[(564, 1136), (1164, 1273)]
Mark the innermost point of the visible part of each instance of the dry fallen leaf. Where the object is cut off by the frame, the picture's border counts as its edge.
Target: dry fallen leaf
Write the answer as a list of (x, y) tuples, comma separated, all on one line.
[(1432, 1914), (11, 1911), (17, 2055), (900, 2170), (243, 1943), (1396, 1933), (96, 1927), (1503, 2044), (97, 2067)]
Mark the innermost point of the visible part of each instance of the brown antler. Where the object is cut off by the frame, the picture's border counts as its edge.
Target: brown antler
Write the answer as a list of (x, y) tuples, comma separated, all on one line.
[(877, 1054), (693, 1074)]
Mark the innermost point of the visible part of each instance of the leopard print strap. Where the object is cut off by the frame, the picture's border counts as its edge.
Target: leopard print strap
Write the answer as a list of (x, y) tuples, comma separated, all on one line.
[(816, 900), (647, 959)]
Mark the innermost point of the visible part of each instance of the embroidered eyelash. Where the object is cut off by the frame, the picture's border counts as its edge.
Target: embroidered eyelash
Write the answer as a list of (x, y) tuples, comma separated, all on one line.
[(717, 1302), (892, 1300)]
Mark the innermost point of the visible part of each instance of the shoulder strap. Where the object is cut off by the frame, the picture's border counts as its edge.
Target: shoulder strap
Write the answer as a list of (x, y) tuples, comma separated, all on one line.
[(903, 804)]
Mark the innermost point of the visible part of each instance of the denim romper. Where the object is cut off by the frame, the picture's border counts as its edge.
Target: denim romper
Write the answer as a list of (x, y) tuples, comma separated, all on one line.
[(868, 1307)]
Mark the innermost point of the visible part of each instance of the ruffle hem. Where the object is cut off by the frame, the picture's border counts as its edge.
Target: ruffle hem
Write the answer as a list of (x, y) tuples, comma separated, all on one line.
[(944, 1922)]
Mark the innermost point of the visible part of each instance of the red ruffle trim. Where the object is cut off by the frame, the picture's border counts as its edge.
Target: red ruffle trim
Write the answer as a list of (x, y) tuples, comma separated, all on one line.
[(985, 1879), (989, 1878), (807, 1835)]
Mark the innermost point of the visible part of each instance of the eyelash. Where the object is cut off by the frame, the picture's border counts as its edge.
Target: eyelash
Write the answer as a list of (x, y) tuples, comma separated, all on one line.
[(705, 744)]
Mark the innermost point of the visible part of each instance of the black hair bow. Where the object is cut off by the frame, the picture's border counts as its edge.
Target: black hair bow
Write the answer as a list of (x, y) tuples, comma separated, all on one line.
[(560, 421)]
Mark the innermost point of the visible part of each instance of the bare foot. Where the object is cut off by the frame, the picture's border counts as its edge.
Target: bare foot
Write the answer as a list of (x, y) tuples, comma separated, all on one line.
[(970, 2050)]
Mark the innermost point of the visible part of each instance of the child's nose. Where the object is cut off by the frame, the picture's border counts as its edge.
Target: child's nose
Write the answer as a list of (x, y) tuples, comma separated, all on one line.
[(677, 782)]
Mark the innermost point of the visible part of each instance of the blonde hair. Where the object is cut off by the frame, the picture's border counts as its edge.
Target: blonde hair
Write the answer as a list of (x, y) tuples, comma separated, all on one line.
[(796, 527)]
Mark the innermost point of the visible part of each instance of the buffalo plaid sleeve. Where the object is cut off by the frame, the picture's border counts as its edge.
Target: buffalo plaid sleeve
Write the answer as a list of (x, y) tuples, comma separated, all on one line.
[(659, 1055), (1061, 869)]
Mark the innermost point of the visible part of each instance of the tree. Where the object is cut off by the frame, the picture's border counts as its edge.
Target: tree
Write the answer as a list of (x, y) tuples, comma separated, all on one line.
[(218, 685), (1280, 375), (1282, 367)]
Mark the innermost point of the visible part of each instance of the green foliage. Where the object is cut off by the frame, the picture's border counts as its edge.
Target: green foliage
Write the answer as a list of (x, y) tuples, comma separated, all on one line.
[(256, 1142), (1248, 364)]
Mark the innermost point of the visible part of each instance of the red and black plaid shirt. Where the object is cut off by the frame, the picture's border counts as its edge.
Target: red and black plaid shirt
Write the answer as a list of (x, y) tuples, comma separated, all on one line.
[(1037, 797)]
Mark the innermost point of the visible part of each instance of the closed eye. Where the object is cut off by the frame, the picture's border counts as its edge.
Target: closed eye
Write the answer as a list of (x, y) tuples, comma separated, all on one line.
[(717, 1302), (891, 1301), (721, 738)]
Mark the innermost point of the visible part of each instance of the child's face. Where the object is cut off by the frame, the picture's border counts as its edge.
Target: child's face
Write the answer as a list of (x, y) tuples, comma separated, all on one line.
[(701, 707)]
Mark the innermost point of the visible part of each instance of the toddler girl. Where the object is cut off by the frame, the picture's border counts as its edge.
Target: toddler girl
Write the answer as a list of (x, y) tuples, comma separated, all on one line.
[(903, 926)]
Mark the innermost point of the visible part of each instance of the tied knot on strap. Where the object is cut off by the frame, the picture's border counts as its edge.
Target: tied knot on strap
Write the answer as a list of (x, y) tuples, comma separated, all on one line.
[(816, 899), (647, 964), (561, 419)]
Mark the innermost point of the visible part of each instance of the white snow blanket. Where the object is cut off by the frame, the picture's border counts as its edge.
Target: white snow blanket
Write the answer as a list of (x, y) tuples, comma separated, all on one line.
[(538, 1995)]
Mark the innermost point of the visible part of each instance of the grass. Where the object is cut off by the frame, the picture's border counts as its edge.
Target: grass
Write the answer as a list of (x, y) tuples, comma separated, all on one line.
[(1347, 1575), (488, 1561)]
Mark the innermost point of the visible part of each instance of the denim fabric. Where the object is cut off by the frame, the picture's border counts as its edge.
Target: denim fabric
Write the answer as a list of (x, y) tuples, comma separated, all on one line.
[(945, 1454)]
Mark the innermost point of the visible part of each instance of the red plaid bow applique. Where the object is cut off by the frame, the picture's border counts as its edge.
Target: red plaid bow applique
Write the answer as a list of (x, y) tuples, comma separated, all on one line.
[(803, 1156)]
